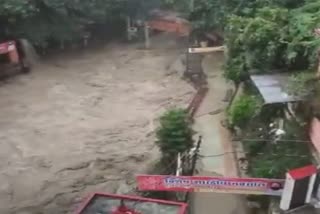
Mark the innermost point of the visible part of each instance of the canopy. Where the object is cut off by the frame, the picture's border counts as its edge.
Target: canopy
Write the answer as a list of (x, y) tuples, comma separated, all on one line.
[(273, 88)]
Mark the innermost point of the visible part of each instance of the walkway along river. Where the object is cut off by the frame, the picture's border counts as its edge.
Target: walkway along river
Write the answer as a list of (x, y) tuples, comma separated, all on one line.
[(216, 140)]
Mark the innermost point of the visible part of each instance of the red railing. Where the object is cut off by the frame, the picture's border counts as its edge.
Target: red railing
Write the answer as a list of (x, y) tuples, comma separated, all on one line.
[(10, 49), (85, 204)]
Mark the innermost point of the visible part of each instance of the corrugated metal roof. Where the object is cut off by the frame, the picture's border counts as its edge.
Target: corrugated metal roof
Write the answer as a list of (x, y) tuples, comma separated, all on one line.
[(273, 88)]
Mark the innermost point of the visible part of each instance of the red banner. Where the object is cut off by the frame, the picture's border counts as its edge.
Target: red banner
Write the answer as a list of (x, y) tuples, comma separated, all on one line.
[(257, 186)]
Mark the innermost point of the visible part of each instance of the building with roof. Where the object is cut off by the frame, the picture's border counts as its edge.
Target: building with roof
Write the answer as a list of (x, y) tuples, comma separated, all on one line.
[(274, 88)]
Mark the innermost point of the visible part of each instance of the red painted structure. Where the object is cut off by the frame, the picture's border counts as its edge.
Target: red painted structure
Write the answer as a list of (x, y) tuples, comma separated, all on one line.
[(123, 209), (303, 172), (180, 28), (121, 200), (196, 101), (169, 21), (298, 187), (10, 49)]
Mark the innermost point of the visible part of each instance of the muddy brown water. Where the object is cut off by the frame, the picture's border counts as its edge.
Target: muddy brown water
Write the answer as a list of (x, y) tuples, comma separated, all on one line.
[(84, 123)]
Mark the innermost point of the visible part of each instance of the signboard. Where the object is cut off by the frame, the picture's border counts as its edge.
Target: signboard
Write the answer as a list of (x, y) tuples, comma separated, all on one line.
[(256, 186)]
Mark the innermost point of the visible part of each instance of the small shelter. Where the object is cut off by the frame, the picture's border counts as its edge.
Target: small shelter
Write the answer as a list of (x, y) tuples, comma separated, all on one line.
[(273, 88), (276, 95)]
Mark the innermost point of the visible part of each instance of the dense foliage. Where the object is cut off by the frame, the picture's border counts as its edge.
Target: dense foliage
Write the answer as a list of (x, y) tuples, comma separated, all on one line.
[(270, 160), (262, 35), (43, 21), (174, 134), (182, 6), (302, 84)]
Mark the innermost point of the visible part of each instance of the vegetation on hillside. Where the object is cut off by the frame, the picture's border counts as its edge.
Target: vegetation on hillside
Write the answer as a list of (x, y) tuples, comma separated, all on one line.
[(45, 22), (269, 159), (261, 35)]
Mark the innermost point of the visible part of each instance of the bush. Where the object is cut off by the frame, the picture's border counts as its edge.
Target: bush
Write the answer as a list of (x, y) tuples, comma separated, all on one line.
[(174, 134), (59, 20), (235, 69), (243, 110)]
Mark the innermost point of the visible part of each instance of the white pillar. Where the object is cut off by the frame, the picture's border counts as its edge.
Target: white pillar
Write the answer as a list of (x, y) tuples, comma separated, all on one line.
[(310, 188), (146, 35), (287, 193)]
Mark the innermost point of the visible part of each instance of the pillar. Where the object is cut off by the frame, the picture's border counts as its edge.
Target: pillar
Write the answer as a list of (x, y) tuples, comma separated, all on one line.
[(147, 35), (298, 187)]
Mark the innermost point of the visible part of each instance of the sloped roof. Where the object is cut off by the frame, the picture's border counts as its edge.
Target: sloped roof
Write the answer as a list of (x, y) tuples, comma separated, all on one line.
[(273, 88)]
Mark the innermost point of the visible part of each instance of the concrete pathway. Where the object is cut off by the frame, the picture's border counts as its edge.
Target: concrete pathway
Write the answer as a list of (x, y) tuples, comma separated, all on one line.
[(216, 142)]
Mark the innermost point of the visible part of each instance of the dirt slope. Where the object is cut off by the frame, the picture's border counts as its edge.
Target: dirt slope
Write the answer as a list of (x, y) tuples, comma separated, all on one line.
[(83, 122)]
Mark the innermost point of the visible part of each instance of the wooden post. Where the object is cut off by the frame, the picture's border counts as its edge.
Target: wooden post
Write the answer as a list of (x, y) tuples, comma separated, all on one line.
[(62, 46), (178, 164), (146, 35), (86, 38), (128, 29), (195, 156)]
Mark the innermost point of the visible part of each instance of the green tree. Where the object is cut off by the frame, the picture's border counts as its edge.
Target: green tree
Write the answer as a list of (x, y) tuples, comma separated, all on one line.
[(262, 35), (174, 134), (41, 21)]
